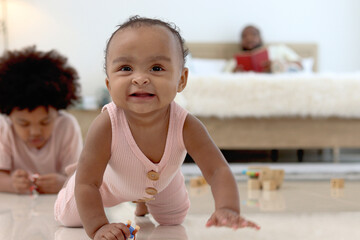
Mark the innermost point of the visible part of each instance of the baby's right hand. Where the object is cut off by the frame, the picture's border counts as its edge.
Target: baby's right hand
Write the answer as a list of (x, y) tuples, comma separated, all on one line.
[(20, 181), (112, 231)]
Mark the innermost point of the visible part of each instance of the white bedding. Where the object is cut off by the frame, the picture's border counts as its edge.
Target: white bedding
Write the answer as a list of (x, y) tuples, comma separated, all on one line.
[(273, 95)]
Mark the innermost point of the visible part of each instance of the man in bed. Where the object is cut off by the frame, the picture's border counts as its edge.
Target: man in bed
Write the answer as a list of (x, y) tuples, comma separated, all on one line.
[(281, 58)]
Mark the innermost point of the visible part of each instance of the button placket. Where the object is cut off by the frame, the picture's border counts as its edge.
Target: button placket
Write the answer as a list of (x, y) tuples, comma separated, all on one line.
[(150, 190)]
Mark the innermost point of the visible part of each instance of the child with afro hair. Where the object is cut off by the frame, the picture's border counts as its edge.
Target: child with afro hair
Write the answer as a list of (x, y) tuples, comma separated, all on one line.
[(38, 140)]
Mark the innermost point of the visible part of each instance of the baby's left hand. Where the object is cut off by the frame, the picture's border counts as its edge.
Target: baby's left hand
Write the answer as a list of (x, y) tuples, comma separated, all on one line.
[(225, 217)]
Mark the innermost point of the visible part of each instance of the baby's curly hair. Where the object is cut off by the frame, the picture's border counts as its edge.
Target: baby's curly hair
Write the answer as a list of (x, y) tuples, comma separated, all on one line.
[(31, 78)]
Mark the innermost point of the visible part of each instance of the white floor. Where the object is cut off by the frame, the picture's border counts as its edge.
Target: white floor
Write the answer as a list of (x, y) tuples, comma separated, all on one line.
[(306, 210)]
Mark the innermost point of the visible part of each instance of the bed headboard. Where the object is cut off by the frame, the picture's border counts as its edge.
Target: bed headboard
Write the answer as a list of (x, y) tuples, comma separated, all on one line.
[(227, 50)]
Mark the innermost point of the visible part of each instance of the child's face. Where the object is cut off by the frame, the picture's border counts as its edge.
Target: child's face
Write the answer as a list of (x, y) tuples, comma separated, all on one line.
[(250, 38), (34, 127), (145, 68)]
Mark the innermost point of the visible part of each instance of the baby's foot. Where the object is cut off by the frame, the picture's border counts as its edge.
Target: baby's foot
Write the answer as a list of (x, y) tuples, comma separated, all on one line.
[(141, 209)]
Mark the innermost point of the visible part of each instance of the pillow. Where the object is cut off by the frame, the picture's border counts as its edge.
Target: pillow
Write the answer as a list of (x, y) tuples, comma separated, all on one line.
[(307, 64), (205, 65)]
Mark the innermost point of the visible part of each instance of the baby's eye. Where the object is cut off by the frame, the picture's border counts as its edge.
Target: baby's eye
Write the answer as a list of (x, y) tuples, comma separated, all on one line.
[(125, 68), (157, 69)]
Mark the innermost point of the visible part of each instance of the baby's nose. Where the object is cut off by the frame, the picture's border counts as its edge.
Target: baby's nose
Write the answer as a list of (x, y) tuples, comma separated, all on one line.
[(141, 80)]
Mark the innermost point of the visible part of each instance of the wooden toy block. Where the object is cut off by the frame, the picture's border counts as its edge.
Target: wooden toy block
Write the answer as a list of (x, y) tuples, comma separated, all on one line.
[(257, 168), (197, 181), (265, 174), (254, 184), (269, 185), (337, 183), (278, 175)]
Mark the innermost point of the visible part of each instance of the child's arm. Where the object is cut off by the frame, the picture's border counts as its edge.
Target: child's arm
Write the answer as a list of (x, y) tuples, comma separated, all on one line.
[(217, 173), (6, 182), (93, 161)]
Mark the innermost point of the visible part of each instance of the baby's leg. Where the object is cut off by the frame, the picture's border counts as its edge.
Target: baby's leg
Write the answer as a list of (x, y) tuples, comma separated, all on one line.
[(172, 204), (141, 209), (65, 209)]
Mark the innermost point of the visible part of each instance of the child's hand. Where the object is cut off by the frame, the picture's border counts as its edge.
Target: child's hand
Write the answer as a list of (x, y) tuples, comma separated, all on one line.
[(239, 68), (20, 181), (112, 231), (229, 218), (266, 66), (50, 183)]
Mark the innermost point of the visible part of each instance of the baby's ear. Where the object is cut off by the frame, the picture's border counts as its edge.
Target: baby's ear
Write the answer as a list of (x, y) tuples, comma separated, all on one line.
[(107, 84), (183, 79)]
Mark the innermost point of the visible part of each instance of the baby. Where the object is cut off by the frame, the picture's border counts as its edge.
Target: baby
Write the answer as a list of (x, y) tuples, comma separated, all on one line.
[(135, 148)]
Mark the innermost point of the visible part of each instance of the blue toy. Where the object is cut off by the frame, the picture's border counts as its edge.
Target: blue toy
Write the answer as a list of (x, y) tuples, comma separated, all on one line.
[(133, 230)]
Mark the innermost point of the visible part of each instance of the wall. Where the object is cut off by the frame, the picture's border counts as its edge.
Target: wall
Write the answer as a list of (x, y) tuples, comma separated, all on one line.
[(79, 29)]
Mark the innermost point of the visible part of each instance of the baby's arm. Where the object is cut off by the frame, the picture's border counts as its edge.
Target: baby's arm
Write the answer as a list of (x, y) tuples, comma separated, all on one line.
[(217, 173), (90, 170), (89, 175)]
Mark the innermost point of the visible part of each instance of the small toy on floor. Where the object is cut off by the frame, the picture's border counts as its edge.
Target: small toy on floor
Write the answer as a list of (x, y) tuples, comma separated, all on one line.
[(197, 181), (133, 230), (33, 187)]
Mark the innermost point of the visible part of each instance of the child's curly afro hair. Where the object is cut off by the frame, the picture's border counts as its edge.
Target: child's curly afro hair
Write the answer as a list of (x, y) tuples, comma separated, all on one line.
[(31, 78)]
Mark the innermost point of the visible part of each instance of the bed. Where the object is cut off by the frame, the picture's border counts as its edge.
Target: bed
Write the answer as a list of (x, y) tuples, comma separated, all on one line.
[(253, 111)]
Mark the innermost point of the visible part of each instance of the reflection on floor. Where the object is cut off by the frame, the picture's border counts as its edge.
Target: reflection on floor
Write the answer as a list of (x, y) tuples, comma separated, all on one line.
[(299, 210)]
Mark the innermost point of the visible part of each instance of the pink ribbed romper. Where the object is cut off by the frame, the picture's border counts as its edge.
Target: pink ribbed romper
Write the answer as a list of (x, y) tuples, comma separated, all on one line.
[(127, 176)]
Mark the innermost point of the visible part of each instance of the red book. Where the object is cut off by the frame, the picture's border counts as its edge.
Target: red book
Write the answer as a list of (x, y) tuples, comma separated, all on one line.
[(252, 60)]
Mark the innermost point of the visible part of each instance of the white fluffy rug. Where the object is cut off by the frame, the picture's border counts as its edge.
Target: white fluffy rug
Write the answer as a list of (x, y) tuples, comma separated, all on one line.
[(263, 95)]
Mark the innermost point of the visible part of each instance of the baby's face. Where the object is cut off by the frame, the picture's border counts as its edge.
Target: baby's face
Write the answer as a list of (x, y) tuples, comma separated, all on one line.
[(34, 127), (144, 68)]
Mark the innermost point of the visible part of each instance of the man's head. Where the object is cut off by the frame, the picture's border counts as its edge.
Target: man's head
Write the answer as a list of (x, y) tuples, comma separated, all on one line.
[(250, 38)]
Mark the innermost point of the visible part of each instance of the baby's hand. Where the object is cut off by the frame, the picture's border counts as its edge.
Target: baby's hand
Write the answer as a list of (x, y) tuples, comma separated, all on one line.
[(229, 218), (112, 231), (20, 181)]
